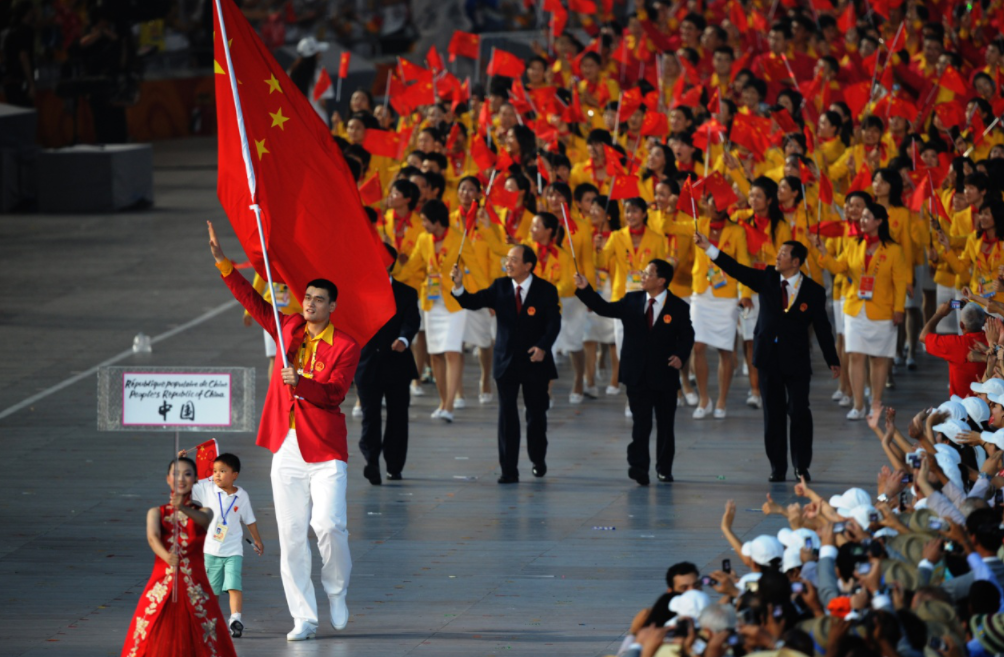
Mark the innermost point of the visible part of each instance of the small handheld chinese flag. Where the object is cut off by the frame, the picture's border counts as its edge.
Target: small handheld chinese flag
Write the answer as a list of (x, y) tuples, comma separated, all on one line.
[(506, 64), (433, 59), (370, 192), (624, 187), (343, 64), (464, 44), (481, 155), (323, 84), (686, 203), (381, 142)]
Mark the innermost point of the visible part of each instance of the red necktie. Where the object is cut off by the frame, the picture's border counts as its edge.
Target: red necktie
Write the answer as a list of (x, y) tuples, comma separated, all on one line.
[(650, 313), (784, 295), (519, 300)]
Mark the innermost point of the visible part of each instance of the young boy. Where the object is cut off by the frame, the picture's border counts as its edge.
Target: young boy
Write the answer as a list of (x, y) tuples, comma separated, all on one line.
[(224, 548)]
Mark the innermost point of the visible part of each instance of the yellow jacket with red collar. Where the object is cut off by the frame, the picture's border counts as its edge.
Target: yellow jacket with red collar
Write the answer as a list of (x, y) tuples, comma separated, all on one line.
[(977, 266), (732, 242), (625, 262), (889, 271), (557, 271), (403, 238), (585, 172), (679, 231), (432, 262)]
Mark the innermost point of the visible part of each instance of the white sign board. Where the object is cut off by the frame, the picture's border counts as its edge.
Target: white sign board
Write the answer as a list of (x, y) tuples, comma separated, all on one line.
[(175, 399)]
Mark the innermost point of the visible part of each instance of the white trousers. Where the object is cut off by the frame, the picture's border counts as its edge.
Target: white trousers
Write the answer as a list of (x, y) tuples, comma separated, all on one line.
[(310, 494)]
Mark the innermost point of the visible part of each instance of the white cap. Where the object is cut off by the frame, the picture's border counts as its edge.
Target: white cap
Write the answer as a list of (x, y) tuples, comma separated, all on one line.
[(994, 438), (948, 460), (886, 531), (952, 428), (851, 498), (763, 549), (796, 538), (977, 409), (310, 46), (955, 409), (999, 398), (792, 559), (861, 515), (994, 386), (689, 605)]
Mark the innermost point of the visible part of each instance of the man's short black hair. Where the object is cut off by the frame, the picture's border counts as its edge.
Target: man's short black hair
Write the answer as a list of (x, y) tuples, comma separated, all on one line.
[(327, 286), (663, 269), (798, 250), (984, 525), (436, 181), (529, 257), (229, 460), (599, 136), (439, 159), (682, 568), (436, 212)]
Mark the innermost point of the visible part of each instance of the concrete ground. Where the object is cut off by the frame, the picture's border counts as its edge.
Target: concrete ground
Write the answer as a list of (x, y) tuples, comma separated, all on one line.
[(446, 562)]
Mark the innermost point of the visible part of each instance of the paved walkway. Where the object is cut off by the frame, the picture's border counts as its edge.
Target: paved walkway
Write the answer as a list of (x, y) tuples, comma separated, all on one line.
[(446, 562)]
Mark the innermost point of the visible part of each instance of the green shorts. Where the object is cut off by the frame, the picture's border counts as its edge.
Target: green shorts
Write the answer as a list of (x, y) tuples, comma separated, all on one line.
[(224, 573)]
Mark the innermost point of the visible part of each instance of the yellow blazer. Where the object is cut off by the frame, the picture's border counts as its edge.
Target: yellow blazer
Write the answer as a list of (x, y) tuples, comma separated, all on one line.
[(891, 272), (427, 262), (679, 231), (733, 243), (405, 245), (622, 260), (976, 267), (556, 272)]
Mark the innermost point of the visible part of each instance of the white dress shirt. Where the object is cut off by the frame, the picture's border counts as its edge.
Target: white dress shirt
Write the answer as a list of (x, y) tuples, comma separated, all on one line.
[(660, 301), (524, 287), (793, 284)]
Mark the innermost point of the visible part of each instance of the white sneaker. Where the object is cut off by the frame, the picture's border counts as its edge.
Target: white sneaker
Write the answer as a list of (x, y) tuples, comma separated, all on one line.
[(339, 612), (753, 401), (436, 413), (446, 416), (591, 391), (855, 414), (416, 390), (613, 391), (701, 412), (575, 399), (746, 369), (627, 411), (357, 412), (845, 401), (459, 402), (486, 398), (691, 398), (719, 413), (302, 630), (838, 395)]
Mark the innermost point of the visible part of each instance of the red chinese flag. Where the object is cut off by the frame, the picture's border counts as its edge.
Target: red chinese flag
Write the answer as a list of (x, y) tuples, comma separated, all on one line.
[(690, 98), (582, 6), (503, 198), (881, 7), (470, 217), (951, 114), (482, 156), (828, 228), (464, 44), (804, 173), (848, 18), (856, 96), (381, 142), (755, 238), (624, 187), (784, 121), (293, 171), (687, 202), (614, 165), (573, 113), (631, 101), (740, 64), (737, 15), (862, 181), (462, 94), (977, 127), (952, 81), (721, 191), (559, 17), (542, 169), (506, 64), (504, 161), (822, 5), (655, 124), (410, 72), (205, 455), (434, 61), (323, 84), (825, 189), (937, 208), (370, 191), (343, 64), (451, 139), (887, 79)]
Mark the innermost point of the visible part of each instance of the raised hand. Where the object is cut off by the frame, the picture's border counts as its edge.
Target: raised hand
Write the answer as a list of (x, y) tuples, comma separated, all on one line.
[(214, 244)]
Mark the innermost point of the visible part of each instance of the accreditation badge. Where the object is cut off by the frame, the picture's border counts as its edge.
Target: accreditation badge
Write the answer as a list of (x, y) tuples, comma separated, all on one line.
[(634, 281), (985, 287), (716, 278), (220, 532), (866, 288), (434, 287)]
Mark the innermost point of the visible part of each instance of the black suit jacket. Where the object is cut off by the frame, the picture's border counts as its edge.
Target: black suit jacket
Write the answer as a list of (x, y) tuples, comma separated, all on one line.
[(781, 339), (646, 352), (377, 361), (536, 326)]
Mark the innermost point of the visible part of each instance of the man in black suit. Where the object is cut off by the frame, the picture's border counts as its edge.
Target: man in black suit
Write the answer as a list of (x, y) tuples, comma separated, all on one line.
[(658, 338), (526, 308), (790, 303), (386, 367)]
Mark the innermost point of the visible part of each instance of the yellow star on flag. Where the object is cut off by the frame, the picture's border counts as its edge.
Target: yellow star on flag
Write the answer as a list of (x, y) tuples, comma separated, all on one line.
[(260, 146), (273, 85), (218, 69), (278, 119)]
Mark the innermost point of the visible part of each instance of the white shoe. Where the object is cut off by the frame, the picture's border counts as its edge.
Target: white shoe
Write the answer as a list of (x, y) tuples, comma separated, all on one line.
[(486, 398), (855, 414), (416, 390), (575, 399), (691, 398), (627, 411), (719, 413), (436, 413), (845, 401), (746, 369), (339, 612), (753, 401), (591, 391), (446, 416), (357, 412), (701, 412), (837, 396), (459, 402), (302, 631)]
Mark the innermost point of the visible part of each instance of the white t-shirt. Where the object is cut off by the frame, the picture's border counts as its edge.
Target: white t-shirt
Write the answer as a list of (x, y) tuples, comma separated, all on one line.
[(233, 508)]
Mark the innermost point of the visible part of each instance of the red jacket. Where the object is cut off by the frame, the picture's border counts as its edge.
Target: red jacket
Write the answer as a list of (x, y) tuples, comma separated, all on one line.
[(320, 423)]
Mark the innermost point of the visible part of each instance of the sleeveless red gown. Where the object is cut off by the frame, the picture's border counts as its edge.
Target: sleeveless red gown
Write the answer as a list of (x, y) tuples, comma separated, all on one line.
[(194, 625)]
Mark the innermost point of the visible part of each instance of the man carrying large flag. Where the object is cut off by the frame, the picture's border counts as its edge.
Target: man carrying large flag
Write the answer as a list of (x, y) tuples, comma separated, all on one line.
[(294, 206)]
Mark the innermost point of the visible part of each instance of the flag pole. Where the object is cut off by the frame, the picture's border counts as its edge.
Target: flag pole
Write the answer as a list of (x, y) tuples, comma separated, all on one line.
[(338, 90), (571, 247), (463, 241), (252, 182)]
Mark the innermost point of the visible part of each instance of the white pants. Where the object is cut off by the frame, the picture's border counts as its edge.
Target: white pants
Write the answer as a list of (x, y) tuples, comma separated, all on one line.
[(314, 494)]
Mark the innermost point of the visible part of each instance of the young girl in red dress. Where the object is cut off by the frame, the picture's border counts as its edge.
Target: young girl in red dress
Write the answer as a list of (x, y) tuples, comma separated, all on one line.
[(193, 624)]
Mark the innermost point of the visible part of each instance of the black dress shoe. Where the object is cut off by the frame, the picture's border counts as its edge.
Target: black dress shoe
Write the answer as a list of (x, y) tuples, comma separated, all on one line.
[(776, 477), (540, 470), (372, 474), (504, 479), (665, 478), (640, 477), (804, 473), (394, 476)]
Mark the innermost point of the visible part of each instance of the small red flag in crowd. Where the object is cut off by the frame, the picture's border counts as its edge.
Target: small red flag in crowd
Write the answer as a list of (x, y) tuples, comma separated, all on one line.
[(343, 64), (481, 155), (434, 61), (464, 44), (506, 64), (370, 192), (624, 187), (323, 84)]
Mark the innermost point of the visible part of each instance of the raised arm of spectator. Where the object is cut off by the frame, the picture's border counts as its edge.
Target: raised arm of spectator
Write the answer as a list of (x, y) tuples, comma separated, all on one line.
[(827, 569), (727, 519)]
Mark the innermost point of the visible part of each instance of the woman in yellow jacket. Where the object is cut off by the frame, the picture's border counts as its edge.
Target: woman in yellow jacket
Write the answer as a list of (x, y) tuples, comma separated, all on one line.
[(766, 230), (596, 89), (517, 221), (799, 217), (714, 307), (605, 218), (978, 265), (872, 151), (874, 305), (433, 257)]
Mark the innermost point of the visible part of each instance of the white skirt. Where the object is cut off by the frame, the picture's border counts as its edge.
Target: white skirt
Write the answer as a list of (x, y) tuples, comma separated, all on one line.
[(747, 319), (444, 331), (573, 325), (838, 316), (714, 320), (478, 330), (600, 329), (869, 337), (950, 324)]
